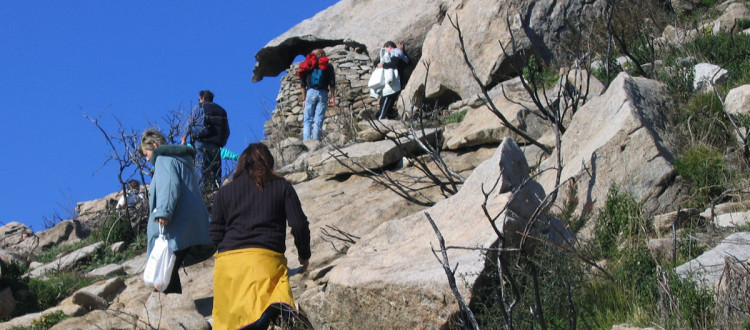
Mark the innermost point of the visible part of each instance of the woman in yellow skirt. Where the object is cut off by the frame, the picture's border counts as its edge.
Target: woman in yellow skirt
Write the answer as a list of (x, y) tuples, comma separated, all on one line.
[(248, 226)]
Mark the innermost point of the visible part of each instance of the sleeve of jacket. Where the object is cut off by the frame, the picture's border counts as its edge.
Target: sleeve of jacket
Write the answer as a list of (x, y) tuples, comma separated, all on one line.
[(225, 136), (229, 154), (331, 77), (298, 221), (218, 221), (167, 187), (200, 128), (303, 80)]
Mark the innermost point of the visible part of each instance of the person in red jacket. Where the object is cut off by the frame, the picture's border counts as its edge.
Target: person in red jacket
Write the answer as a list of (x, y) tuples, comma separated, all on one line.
[(317, 79)]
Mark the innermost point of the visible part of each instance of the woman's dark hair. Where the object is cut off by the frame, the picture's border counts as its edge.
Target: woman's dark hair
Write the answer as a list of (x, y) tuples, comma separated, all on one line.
[(256, 161)]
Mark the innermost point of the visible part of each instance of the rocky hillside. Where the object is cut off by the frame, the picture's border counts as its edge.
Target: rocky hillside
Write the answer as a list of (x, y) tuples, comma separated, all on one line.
[(538, 176)]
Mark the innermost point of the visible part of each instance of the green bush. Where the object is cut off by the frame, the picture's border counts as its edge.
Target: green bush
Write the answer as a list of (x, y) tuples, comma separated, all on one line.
[(695, 304), (573, 222), (559, 277), (48, 320), (116, 229), (706, 171), (58, 286), (620, 221), (51, 254), (104, 255), (455, 117), (678, 79), (705, 121), (728, 51), (539, 75), (601, 72), (688, 246), (635, 269), (12, 277), (743, 23), (43, 293)]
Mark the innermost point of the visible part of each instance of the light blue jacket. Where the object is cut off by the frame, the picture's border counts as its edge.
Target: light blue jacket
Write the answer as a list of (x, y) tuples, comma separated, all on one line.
[(175, 194)]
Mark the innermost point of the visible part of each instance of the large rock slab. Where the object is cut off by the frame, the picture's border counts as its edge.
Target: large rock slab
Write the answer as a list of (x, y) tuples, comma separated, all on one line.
[(136, 306), (12, 234), (738, 100), (728, 207), (88, 300), (486, 24), (391, 273), (93, 213), (155, 311), (663, 223), (107, 271), (66, 261), (64, 233), (25, 321), (370, 155), (407, 21), (355, 206), (8, 257), (732, 220), (727, 22), (481, 126), (684, 6), (707, 268), (705, 75), (612, 137)]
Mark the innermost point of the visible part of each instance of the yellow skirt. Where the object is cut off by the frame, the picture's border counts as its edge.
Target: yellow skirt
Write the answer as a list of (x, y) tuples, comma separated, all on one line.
[(246, 283)]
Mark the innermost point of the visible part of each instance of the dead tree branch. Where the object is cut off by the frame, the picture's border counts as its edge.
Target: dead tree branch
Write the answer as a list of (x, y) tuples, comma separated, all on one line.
[(451, 274), (336, 234), (485, 92)]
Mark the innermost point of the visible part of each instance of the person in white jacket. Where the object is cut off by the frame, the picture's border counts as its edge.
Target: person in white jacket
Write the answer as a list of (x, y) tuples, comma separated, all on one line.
[(394, 60)]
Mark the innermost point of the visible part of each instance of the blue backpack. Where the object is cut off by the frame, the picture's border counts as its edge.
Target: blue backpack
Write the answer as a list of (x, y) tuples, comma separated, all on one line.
[(316, 79)]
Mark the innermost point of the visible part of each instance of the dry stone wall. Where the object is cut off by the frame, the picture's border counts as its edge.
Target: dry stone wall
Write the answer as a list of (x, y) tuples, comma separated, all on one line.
[(353, 102)]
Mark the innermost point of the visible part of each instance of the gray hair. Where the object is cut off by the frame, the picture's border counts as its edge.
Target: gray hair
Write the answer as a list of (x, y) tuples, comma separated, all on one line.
[(151, 136)]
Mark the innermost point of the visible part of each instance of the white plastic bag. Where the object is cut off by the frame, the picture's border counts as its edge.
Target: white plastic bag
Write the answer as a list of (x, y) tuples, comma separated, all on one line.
[(376, 79), (392, 82), (159, 265)]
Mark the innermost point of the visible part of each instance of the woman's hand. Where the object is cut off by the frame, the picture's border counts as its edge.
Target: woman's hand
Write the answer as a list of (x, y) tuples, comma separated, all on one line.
[(305, 263), (162, 221)]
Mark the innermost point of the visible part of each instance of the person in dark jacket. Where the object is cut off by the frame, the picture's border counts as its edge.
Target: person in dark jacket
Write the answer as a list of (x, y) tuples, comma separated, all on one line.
[(317, 79), (175, 201), (397, 60), (248, 226), (208, 129)]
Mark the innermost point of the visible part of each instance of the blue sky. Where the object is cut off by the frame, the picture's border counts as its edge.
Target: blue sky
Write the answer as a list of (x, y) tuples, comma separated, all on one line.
[(130, 60)]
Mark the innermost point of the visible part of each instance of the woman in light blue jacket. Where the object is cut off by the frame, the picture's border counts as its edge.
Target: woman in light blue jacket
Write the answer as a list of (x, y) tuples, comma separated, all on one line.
[(175, 201)]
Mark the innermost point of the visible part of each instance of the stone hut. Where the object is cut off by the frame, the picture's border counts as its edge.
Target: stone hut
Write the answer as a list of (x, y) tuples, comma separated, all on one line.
[(353, 102)]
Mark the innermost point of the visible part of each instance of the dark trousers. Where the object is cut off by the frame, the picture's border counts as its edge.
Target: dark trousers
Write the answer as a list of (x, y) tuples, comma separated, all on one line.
[(174, 282), (386, 107), (208, 161)]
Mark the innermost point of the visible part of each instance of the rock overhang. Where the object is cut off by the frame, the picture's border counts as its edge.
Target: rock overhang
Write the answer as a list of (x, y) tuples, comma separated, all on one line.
[(272, 60)]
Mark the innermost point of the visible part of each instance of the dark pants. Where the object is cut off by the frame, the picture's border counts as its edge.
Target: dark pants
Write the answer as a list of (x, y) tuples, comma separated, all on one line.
[(174, 282), (272, 313), (386, 107), (208, 161)]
